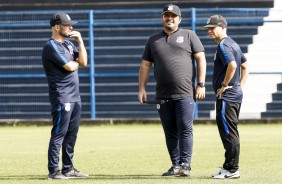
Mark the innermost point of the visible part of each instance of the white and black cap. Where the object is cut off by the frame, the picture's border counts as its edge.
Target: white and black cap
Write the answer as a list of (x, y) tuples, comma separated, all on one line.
[(216, 20), (172, 9)]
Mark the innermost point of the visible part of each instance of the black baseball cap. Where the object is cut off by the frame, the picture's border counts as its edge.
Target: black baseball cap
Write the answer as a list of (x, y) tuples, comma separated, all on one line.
[(215, 20), (173, 9), (61, 18)]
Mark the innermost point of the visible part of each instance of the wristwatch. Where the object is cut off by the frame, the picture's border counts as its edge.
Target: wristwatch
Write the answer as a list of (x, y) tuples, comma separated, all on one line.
[(201, 84), (223, 85)]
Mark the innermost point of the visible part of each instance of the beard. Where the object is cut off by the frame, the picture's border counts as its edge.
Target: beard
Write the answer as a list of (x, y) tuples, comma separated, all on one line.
[(63, 34), (169, 26)]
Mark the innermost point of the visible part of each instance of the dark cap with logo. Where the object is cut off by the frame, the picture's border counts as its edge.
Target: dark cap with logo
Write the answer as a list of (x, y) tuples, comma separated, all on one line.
[(61, 18), (216, 20), (172, 9)]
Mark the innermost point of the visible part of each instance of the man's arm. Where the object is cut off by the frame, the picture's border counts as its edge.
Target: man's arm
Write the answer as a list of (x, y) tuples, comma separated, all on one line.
[(143, 79), (244, 73), (82, 53), (71, 66), (231, 68), (201, 68)]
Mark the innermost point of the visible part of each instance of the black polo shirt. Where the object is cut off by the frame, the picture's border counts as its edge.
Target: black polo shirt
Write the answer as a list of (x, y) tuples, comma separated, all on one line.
[(63, 84), (174, 66)]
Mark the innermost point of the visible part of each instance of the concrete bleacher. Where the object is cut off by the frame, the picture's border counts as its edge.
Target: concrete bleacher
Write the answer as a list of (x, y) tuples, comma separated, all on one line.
[(262, 94), (119, 40)]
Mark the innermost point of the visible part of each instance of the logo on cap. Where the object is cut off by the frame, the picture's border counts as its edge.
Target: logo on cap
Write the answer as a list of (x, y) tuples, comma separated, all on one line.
[(68, 17), (170, 7)]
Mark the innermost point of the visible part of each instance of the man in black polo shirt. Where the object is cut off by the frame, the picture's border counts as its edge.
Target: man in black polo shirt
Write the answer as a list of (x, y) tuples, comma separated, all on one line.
[(172, 52), (61, 60), (229, 75)]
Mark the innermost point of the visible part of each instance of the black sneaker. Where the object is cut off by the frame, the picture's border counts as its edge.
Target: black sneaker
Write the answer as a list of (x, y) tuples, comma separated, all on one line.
[(184, 169), (174, 170), (74, 173), (56, 176)]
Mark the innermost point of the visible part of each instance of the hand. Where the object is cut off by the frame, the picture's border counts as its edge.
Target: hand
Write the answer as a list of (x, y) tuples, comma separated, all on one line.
[(142, 96), (76, 35), (200, 93), (221, 90)]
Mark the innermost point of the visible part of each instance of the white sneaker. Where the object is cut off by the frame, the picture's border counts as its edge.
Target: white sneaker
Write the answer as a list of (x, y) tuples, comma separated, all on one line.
[(184, 169), (218, 172), (74, 173), (224, 174)]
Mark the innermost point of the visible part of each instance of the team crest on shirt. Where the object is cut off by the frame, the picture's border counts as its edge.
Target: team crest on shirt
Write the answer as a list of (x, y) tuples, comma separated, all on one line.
[(70, 49), (67, 107), (158, 106), (180, 39)]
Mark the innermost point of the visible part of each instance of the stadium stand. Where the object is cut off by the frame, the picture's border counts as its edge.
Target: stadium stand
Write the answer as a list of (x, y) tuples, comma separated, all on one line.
[(270, 35), (128, 4), (119, 39)]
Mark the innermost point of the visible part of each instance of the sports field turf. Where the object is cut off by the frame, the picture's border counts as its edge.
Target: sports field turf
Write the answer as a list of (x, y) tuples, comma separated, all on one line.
[(134, 154)]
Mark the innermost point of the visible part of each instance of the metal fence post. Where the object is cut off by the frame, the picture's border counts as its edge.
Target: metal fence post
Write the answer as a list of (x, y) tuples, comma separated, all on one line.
[(193, 27), (92, 64), (193, 19)]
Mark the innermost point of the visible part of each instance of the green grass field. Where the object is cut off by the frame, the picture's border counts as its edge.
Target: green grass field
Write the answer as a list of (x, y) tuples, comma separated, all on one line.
[(134, 154)]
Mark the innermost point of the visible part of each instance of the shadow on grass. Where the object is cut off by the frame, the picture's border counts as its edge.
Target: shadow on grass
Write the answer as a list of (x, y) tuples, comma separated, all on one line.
[(103, 177), (24, 177), (156, 177)]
